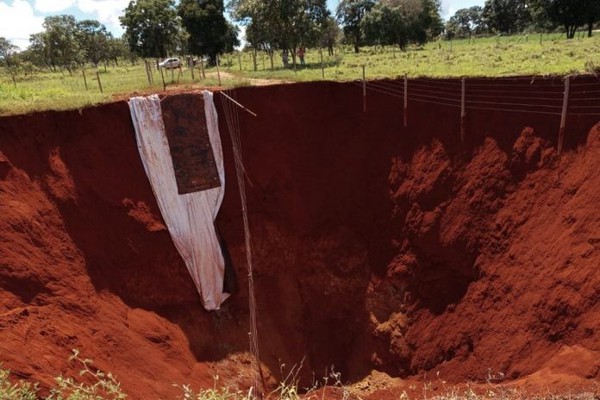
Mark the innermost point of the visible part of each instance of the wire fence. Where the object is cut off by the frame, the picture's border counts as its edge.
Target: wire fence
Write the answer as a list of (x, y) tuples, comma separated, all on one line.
[(564, 98), (521, 99)]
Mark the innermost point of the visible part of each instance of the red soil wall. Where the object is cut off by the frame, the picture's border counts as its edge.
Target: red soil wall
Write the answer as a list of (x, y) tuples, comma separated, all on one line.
[(376, 246)]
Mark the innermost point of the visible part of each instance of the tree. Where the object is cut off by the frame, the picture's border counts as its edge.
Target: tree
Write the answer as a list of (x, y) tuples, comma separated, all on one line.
[(385, 25), (38, 52), (350, 14), (94, 40), (571, 14), (401, 22), (540, 17), (507, 16), (282, 24), (7, 49), (257, 17), (117, 48), (430, 18), (467, 21), (330, 34), (61, 42), (593, 14), (150, 27), (209, 32)]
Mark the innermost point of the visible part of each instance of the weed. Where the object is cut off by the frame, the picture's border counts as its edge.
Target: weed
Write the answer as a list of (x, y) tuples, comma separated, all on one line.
[(104, 386), (18, 391)]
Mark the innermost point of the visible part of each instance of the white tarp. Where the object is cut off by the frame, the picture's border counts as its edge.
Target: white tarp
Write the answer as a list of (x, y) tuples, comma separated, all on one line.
[(189, 217)]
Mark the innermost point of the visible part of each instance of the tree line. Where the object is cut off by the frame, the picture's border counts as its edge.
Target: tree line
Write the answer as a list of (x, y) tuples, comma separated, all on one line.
[(65, 43), (514, 16), (159, 28)]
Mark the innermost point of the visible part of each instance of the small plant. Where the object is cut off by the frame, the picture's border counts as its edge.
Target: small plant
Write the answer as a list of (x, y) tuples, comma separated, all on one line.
[(18, 391), (288, 387), (104, 386), (214, 393)]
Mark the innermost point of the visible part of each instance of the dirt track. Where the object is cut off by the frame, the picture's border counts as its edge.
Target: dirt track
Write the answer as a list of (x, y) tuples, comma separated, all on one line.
[(378, 247)]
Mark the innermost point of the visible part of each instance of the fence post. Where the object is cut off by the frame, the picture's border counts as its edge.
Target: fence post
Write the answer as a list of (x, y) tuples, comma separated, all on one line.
[(146, 68), (84, 79), (162, 76), (364, 89), (99, 82), (254, 59), (463, 110), (240, 61), (322, 67), (405, 101), (191, 66), (218, 71), (563, 117), (202, 67)]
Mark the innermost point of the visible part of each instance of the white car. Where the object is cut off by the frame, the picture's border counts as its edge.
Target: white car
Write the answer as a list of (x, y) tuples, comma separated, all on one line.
[(170, 63)]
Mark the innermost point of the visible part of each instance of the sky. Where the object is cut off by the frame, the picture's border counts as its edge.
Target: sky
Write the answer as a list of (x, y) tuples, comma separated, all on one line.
[(21, 18)]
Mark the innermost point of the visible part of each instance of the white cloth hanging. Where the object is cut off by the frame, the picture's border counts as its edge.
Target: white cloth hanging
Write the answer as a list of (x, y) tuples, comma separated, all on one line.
[(189, 217)]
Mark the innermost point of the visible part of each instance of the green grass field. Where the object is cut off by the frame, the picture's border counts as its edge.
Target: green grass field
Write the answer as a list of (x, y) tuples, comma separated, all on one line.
[(492, 56)]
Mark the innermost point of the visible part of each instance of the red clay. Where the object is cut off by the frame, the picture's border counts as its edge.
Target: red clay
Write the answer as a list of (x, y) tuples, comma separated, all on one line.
[(377, 247)]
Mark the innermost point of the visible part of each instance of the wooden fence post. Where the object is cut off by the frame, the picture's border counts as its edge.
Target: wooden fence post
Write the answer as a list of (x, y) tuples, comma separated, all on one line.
[(191, 65), (218, 71), (84, 79), (99, 82), (322, 67), (563, 117), (463, 110), (162, 76), (240, 61), (405, 101), (202, 67), (147, 73), (364, 89)]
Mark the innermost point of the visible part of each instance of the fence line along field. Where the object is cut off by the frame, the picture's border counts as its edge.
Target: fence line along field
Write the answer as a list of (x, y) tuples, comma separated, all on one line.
[(531, 54)]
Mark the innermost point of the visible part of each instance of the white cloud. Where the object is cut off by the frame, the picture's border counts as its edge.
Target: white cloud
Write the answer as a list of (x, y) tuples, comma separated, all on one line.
[(52, 6), (106, 11), (449, 7), (17, 22)]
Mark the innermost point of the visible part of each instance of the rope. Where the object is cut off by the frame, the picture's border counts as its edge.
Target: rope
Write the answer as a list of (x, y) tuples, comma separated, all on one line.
[(230, 106)]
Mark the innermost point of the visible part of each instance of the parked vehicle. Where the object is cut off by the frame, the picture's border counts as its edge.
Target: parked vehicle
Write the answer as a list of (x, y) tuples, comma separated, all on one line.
[(170, 63)]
